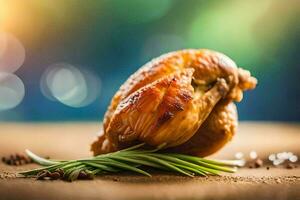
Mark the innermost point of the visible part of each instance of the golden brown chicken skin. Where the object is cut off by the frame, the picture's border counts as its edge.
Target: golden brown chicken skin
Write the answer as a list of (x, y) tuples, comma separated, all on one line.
[(182, 99), (214, 133)]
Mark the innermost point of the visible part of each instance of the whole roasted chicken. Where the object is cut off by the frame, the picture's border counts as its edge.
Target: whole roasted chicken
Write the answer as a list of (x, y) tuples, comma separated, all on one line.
[(183, 99)]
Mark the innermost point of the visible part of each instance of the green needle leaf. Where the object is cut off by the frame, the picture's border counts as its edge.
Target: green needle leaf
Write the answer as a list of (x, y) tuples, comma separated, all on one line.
[(136, 160), (131, 159), (101, 166), (166, 164), (125, 166)]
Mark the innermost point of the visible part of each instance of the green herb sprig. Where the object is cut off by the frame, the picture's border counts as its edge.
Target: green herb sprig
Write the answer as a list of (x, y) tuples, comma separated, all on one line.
[(130, 159)]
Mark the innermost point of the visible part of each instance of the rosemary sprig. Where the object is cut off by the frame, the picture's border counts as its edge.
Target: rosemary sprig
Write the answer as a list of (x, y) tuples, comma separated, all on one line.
[(130, 159)]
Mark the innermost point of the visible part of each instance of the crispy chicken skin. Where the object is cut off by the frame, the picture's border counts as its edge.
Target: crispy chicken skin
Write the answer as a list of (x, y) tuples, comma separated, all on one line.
[(214, 133), (183, 99)]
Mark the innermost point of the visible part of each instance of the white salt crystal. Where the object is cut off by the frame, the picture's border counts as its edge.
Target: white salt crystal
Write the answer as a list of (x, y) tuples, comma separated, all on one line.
[(277, 162), (272, 157), (253, 155), (239, 155), (293, 158)]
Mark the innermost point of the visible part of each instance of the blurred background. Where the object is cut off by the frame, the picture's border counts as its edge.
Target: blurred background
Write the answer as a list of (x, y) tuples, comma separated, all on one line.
[(63, 60)]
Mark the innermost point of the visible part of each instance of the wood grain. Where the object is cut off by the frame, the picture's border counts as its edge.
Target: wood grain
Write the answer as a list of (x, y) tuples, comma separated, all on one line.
[(71, 140)]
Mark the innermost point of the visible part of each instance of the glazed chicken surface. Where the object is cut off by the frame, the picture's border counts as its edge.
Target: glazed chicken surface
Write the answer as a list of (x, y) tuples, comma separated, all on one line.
[(183, 99)]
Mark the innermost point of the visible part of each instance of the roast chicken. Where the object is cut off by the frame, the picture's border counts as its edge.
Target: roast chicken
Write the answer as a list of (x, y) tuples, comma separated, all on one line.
[(183, 100)]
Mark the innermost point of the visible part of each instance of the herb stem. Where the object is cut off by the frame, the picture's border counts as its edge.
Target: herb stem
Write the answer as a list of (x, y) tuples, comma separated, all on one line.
[(131, 159)]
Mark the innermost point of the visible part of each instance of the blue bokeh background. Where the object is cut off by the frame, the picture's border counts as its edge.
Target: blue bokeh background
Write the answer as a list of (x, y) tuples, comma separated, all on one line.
[(114, 38)]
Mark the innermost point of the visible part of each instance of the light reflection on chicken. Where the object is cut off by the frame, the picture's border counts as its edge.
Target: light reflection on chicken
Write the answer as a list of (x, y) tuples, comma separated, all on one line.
[(182, 99)]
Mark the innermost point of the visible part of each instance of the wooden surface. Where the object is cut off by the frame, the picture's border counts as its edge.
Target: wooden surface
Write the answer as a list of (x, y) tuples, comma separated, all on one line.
[(71, 140)]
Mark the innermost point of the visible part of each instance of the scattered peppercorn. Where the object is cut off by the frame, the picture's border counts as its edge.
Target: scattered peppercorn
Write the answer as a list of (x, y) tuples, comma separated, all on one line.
[(16, 159), (84, 175), (42, 175), (55, 175), (258, 163), (290, 166), (60, 171), (59, 174), (45, 174)]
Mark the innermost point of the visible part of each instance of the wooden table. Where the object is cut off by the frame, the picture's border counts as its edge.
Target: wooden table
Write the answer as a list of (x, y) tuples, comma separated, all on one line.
[(71, 140)]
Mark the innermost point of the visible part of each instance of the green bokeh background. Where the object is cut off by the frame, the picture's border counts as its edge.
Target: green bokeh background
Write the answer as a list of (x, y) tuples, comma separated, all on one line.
[(113, 38)]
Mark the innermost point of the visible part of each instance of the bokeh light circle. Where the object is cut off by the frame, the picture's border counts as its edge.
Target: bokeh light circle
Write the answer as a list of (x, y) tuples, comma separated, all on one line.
[(12, 53), (48, 73), (2, 44), (93, 83), (12, 91), (69, 85)]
